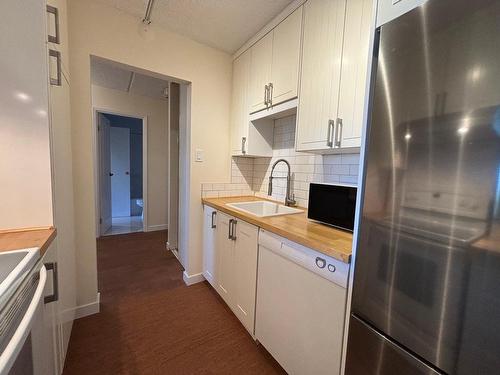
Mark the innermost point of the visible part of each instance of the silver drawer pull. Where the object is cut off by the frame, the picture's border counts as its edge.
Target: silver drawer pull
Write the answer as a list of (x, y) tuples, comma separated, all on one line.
[(338, 132), (52, 266), (58, 80), (214, 214), (54, 38), (243, 145), (329, 137)]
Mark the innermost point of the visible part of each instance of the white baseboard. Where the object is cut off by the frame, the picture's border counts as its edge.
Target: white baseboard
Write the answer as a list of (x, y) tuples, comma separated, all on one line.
[(192, 279), (152, 228), (88, 309)]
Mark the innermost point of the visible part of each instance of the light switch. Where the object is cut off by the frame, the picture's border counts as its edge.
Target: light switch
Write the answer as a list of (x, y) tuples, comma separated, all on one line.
[(199, 155)]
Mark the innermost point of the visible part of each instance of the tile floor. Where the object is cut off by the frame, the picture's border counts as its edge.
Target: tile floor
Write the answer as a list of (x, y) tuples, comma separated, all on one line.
[(127, 224)]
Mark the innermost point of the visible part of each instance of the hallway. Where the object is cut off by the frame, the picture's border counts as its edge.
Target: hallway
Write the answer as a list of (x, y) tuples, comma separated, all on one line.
[(152, 323)]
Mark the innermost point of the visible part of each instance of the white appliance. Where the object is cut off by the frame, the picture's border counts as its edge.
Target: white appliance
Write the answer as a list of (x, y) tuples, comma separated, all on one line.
[(23, 336), (301, 304)]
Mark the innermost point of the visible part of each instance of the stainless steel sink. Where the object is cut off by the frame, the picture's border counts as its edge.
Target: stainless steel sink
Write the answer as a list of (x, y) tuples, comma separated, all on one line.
[(264, 208), (14, 265)]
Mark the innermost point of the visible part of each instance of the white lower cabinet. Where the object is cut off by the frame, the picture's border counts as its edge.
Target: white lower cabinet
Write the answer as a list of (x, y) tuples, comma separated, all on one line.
[(233, 246), (52, 333), (209, 249)]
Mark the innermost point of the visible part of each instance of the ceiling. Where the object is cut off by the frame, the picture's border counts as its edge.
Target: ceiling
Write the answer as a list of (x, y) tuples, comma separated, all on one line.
[(223, 24), (113, 77)]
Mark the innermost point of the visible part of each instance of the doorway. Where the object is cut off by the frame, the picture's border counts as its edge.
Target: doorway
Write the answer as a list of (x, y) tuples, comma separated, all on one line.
[(122, 157)]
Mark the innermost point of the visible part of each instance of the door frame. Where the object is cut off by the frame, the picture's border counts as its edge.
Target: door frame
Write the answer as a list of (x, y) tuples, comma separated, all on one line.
[(97, 162)]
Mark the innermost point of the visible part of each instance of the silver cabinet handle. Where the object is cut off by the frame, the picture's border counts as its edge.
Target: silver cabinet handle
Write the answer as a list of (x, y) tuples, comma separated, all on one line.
[(233, 231), (329, 137), (270, 100), (338, 132), (214, 214), (243, 145), (229, 235), (266, 91), (54, 38), (52, 266), (56, 81)]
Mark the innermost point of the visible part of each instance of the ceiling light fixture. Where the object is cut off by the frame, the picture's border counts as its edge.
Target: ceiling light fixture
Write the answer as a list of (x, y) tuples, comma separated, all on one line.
[(145, 28), (149, 9)]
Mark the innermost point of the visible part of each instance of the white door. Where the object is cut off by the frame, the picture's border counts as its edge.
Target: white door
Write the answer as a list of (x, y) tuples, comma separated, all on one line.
[(286, 57), (105, 172), (245, 271), (225, 266), (209, 248), (260, 71), (320, 74), (120, 170)]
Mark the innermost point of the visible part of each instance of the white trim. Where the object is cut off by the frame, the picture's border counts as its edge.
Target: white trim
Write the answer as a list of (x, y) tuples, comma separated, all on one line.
[(269, 27), (155, 227), (192, 279), (175, 252), (97, 162), (89, 308)]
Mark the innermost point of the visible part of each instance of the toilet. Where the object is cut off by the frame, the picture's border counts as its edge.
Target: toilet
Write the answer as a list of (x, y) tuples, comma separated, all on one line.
[(140, 203)]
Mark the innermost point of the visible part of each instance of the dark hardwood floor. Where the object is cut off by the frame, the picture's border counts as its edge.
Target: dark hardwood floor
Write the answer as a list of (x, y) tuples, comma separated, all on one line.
[(152, 323)]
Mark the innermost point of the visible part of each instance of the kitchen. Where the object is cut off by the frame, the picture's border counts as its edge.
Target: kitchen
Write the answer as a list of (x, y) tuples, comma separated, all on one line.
[(338, 198)]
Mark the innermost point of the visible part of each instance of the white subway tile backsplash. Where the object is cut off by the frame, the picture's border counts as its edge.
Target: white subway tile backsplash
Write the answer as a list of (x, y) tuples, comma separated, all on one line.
[(250, 176)]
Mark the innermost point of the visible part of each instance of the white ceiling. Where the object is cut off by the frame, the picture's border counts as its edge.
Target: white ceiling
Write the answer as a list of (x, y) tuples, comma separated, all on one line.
[(223, 24), (113, 77)]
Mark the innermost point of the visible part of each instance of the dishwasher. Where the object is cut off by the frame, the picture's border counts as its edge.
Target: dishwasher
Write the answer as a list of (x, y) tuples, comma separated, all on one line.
[(301, 305)]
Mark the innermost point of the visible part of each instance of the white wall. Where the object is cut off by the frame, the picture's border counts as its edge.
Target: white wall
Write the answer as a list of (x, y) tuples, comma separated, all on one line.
[(99, 30), (156, 111)]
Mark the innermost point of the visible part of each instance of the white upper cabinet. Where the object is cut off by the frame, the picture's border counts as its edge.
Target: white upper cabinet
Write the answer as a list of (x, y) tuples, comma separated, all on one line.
[(247, 138), (286, 59), (354, 72), (260, 72), (320, 75), (275, 61), (239, 103), (334, 72)]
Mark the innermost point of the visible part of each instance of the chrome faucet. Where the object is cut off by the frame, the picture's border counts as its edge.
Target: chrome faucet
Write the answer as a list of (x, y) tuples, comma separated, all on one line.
[(290, 198)]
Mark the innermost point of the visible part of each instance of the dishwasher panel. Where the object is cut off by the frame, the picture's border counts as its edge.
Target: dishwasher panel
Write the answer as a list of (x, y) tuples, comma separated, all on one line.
[(299, 314)]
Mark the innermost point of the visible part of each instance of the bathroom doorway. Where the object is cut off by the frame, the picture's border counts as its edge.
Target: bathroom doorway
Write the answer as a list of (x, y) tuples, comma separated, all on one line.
[(122, 157)]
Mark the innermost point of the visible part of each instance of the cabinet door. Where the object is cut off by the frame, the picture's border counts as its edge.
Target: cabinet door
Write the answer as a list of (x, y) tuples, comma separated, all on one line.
[(286, 58), (320, 74), (245, 267), (209, 248), (225, 262), (62, 183), (50, 309), (354, 72), (239, 103), (260, 71)]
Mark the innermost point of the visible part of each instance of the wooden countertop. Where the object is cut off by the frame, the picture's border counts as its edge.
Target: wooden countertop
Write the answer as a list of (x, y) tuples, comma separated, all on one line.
[(25, 238), (296, 227)]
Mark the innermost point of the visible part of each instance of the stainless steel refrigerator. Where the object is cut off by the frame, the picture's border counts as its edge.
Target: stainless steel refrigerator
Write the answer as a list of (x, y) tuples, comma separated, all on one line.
[(426, 292)]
